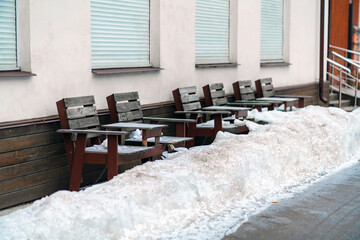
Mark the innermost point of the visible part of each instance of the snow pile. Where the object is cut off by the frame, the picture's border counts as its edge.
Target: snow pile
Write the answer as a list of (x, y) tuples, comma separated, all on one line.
[(203, 192)]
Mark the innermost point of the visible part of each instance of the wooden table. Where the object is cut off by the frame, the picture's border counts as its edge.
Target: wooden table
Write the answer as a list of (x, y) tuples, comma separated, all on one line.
[(238, 111), (288, 102), (148, 130)]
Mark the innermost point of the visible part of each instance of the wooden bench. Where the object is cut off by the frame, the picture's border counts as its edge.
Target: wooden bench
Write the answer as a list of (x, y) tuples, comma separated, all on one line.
[(80, 124), (244, 94), (215, 95), (126, 107), (265, 89), (187, 103)]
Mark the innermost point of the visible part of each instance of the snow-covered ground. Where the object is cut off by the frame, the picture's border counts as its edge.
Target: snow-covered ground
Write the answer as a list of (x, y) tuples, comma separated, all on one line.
[(204, 192)]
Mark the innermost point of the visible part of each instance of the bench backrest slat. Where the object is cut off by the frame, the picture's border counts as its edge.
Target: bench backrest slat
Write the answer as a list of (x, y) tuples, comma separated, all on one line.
[(79, 112), (186, 98), (192, 106), (217, 94), (79, 101), (217, 86), (220, 101), (187, 90), (127, 106), (130, 116), (127, 96), (83, 123)]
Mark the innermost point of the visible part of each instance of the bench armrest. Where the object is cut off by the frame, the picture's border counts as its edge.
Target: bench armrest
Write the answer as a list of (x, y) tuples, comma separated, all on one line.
[(293, 96), (170, 120), (249, 104), (203, 112), (89, 131), (225, 108)]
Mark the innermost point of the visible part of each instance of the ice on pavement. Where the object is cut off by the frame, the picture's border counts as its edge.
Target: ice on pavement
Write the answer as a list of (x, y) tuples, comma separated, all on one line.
[(203, 192)]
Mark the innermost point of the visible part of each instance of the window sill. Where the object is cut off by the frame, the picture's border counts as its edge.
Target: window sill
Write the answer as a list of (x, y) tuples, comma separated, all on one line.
[(16, 74), (216, 65), (107, 71), (275, 64)]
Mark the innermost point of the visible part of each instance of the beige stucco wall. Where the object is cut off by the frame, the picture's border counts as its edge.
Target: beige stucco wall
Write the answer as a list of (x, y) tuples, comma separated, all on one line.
[(56, 45)]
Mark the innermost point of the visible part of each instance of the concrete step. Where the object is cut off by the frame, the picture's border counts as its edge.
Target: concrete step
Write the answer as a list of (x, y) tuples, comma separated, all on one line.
[(344, 103), (333, 96), (348, 108), (346, 91)]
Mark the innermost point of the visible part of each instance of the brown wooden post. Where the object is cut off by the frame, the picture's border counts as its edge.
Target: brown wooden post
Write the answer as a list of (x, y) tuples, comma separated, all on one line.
[(259, 88), (301, 102), (77, 164), (217, 123), (177, 99), (65, 125), (191, 131), (112, 157), (207, 95), (112, 108), (236, 88)]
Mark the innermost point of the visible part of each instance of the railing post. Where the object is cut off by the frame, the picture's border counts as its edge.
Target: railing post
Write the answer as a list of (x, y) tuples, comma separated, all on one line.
[(340, 76), (356, 87), (332, 71)]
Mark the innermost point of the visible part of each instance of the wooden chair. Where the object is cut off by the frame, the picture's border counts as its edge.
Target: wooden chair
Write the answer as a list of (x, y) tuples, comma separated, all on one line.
[(265, 89), (215, 96), (80, 123), (244, 94), (187, 103), (125, 107)]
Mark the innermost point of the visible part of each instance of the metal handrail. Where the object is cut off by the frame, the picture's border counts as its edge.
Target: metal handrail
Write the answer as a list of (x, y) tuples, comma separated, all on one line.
[(339, 65), (345, 59), (345, 50), (341, 68)]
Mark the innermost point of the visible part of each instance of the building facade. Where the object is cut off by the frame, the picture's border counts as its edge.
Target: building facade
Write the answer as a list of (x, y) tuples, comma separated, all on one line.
[(72, 48)]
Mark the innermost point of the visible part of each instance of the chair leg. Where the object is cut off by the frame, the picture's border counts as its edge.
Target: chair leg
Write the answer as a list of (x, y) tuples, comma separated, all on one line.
[(259, 108), (112, 159), (190, 143), (77, 164), (217, 124), (301, 102)]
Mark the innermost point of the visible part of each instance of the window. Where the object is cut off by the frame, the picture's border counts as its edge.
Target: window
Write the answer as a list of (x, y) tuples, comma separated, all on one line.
[(212, 31), (8, 49), (120, 33), (272, 30)]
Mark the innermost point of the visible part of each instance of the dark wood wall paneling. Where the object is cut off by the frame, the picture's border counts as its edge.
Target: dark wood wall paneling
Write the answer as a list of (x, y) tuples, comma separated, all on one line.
[(33, 162)]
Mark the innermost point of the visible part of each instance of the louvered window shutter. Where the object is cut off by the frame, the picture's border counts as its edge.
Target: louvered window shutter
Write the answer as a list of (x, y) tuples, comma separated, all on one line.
[(272, 30), (8, 60), (212, 31), (120, 33)]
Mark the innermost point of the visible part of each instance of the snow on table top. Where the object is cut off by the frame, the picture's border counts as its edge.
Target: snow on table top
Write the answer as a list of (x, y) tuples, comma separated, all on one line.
[(202, 192)]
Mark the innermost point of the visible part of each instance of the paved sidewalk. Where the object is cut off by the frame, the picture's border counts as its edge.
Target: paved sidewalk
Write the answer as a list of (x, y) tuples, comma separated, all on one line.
[(329, 209)]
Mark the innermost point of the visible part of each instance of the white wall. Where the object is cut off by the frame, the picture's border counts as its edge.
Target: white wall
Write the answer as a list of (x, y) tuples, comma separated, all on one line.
[(59, 50)]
